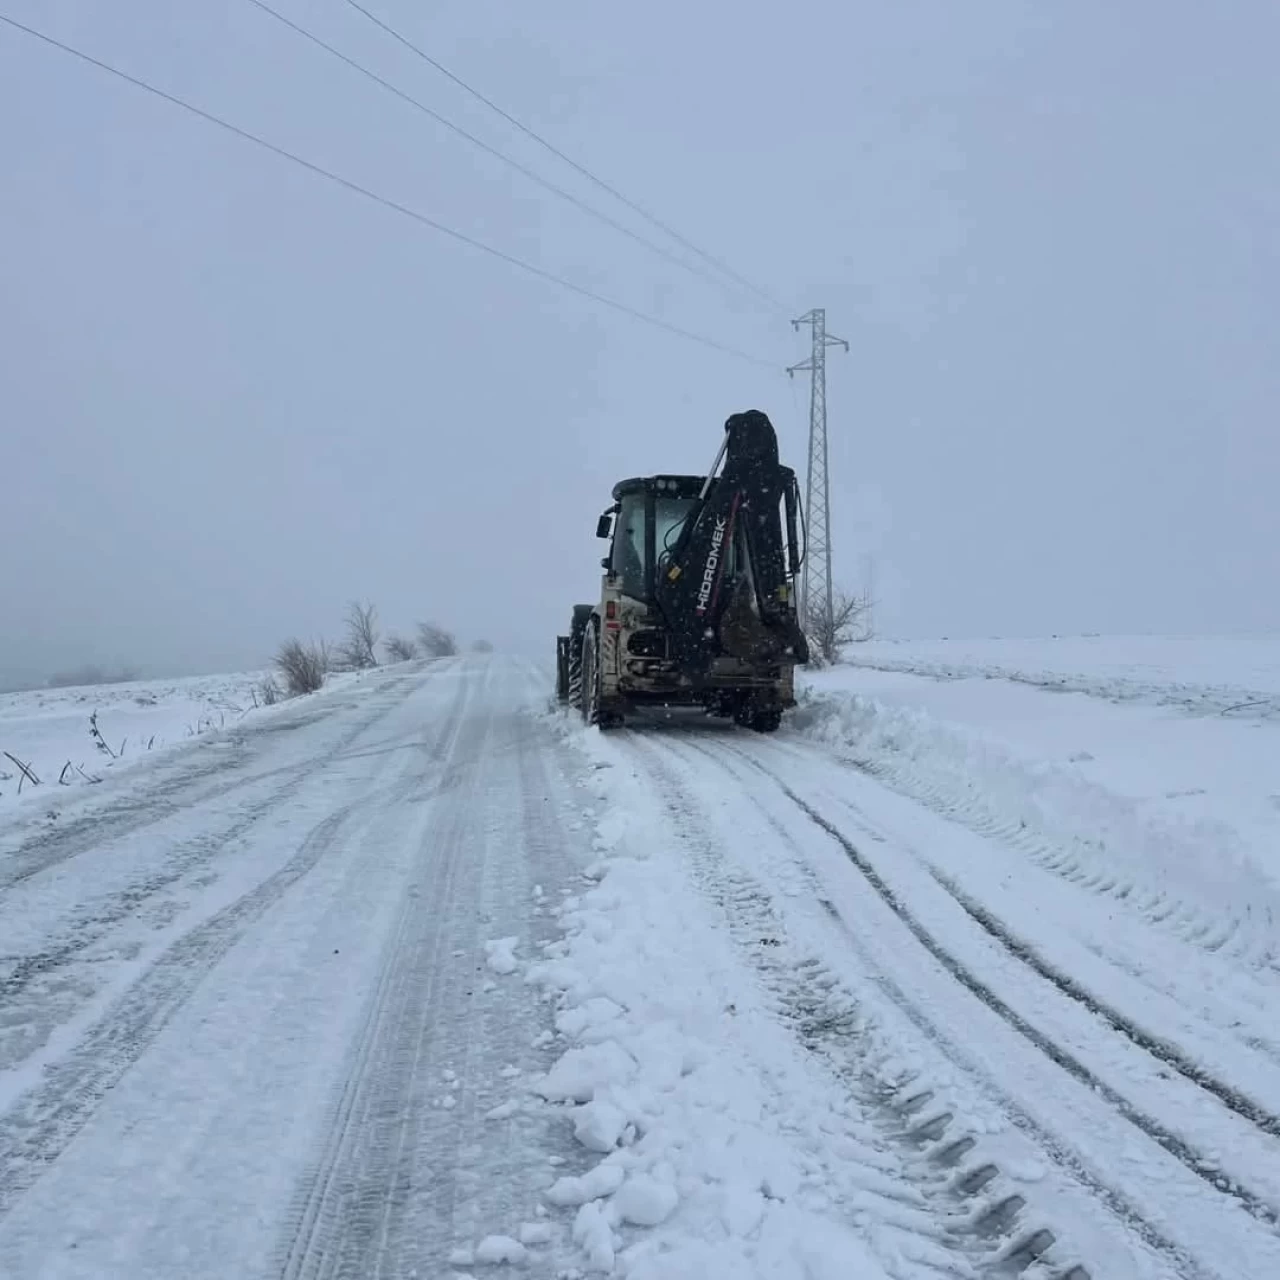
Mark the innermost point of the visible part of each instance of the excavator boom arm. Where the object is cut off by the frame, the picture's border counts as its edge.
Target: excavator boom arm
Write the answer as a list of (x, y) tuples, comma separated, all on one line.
[(725, 586)]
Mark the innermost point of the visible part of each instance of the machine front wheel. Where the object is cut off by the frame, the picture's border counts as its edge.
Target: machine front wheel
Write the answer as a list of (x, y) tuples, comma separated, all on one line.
[(589, 689)]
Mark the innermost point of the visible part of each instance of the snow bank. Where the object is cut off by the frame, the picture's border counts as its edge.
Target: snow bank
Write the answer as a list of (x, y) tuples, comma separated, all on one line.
[(1235, 674), (709, 1141), (1172, 814)]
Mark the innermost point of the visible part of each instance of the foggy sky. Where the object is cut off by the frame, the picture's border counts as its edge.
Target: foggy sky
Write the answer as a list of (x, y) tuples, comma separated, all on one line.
[(233, 396)]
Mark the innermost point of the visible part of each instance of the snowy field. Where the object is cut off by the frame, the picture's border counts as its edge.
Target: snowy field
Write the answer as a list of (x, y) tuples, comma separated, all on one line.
[(80, 736), (50, 730), (1136, 789), (952, 977)]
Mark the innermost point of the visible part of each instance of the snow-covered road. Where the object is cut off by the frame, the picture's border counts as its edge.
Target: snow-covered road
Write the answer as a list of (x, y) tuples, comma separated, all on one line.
[(418, 976), (248, 1027)]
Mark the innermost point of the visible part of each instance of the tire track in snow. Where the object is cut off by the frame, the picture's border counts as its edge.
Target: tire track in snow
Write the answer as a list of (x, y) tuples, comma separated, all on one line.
[(178, 790), (81, 934), (825, 1019), (1055, 1147), (397, 1180), (1196, 1162), (1156, 908), (1158, 1047), (42, 1122), (1186, 921), (1144, 977), (1163, 1050), (35, 1131), (330, 1197)]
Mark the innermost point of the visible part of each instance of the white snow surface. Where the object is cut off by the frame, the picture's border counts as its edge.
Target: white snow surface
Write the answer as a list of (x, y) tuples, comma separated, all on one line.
[(1237, 674), (140, 723), (50, 728), (493, 1250), (956, 972), (500, 954), (1145, 795), (1043, 922), (719, 1138), (244, 977)]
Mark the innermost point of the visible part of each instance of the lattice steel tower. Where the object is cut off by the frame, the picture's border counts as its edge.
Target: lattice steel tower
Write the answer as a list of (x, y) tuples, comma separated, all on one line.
[(817, 501)]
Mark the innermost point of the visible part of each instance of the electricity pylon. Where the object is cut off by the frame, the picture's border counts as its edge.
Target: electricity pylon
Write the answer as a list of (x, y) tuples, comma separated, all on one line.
[(817, 501)]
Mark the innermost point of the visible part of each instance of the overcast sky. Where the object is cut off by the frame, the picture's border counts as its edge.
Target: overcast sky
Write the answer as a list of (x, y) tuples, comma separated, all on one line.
[(233, 395)]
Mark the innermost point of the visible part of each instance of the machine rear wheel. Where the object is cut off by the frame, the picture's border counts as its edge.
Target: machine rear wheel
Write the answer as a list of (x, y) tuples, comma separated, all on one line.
[(750, 715), (578, 629), (562, 669), (767, 721)]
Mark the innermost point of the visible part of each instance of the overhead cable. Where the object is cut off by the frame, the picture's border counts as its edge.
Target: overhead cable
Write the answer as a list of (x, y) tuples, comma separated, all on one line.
[(633, 205), (479, 143), (388, 203)]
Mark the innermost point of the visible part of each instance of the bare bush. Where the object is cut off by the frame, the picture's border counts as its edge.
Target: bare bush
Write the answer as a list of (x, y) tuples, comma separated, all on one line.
[(92, 674), (359, 650), (435, 641), (400, 649), (849, 623), (303, 666), (269, 691)]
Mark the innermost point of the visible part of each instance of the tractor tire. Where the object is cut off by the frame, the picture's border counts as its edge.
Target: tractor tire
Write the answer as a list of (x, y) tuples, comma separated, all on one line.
[(562, 669), (592, 712), (589, 694), (578, 628), (767, 720), (573, 676)]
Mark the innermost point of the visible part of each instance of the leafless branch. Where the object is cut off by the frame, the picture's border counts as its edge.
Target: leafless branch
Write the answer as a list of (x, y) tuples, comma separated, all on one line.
[(400, 649), (25, 770), (99, 741), (435, 641), (302, 666), (359, 649), (1246, 706), (849, 623)]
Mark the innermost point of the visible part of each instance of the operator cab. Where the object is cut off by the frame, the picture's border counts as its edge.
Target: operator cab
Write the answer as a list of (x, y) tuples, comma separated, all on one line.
[(645, 523)]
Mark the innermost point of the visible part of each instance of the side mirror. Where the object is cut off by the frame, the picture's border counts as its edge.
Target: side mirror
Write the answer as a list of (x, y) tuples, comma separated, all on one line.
[(604, 526)]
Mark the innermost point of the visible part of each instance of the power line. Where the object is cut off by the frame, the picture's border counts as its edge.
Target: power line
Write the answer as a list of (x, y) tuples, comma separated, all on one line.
[(460, 236), (560, 155), (484, 146)]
